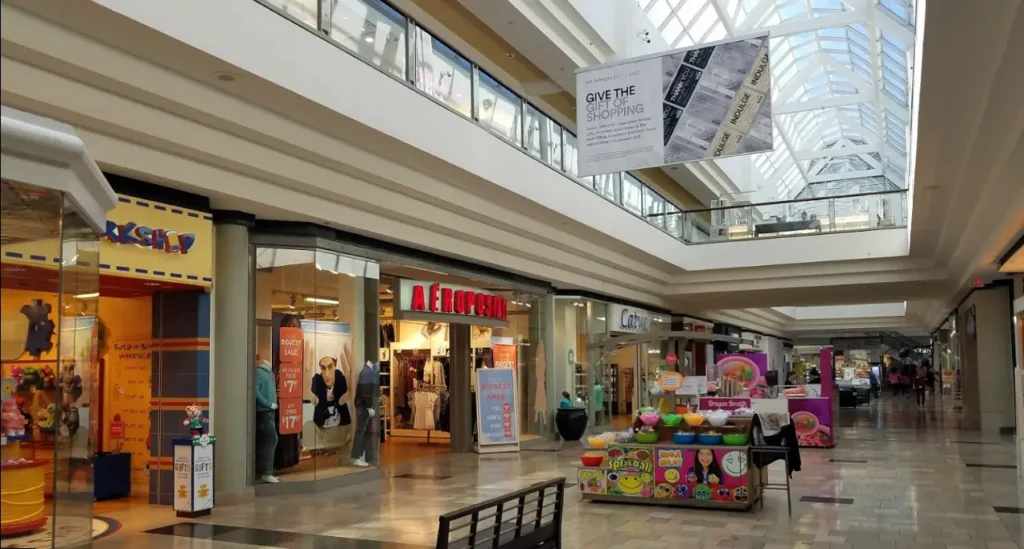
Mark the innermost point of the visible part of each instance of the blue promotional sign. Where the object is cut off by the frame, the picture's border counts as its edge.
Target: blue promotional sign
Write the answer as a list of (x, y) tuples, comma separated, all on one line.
[(496, 406)]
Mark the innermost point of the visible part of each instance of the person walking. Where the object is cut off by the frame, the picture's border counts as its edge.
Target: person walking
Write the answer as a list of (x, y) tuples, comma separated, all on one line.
[(920, 386), (905, 384), (894, 381)]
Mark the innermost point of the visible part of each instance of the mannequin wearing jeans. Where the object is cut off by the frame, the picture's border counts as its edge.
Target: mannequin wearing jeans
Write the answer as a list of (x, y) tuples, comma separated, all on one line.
[(363, 445), (266, 430)]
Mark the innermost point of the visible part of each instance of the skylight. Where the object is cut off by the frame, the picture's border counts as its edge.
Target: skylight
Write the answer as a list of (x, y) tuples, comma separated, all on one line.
[(842, 73)]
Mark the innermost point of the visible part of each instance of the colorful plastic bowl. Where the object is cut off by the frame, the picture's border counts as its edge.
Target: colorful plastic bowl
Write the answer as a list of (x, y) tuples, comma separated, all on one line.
[(597, 442), (684, 438), (671, 420), (592, 460), (646, 438), (650, 418), (709, 439), (735, 439), (694, 420)]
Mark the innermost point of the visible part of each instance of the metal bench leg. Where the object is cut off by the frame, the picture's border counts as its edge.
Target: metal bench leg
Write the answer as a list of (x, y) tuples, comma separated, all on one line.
[(789, 499)]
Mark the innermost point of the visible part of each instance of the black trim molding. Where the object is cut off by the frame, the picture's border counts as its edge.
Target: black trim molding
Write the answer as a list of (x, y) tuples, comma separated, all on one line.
[(157, 193), (586, 294)]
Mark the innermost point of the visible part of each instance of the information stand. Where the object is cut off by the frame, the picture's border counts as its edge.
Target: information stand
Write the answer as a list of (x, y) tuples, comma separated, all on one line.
[(193, 476), (496, 408)]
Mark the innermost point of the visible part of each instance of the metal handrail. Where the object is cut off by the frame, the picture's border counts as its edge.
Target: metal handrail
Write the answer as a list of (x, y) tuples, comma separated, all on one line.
[(795, 201)]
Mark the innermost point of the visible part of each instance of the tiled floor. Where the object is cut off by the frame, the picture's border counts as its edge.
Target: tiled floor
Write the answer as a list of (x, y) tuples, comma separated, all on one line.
[(899, 480)]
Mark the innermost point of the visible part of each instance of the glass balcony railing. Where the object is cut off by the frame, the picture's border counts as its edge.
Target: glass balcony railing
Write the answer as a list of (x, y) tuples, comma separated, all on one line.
[(387, 39), (859, 212)]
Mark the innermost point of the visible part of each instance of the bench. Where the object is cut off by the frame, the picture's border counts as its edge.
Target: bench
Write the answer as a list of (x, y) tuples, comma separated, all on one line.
[(530, 518)]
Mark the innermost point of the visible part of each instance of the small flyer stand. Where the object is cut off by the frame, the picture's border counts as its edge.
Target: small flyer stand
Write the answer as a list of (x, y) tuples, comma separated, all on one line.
[(496, 408), (193, 476)]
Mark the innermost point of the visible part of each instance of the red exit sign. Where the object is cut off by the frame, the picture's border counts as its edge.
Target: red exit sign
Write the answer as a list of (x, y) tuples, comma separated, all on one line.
[(978, 283)]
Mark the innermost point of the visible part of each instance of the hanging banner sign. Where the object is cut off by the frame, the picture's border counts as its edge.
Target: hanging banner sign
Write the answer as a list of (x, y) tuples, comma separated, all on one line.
[(289, 379), (496, 410), (699, 103)]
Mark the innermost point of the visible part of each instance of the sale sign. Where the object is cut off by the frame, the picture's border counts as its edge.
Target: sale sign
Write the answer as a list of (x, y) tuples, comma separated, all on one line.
[(290, 416), (291, 344)]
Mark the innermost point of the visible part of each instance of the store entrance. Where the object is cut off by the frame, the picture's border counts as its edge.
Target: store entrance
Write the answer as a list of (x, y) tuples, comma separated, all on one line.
[(148, 356)]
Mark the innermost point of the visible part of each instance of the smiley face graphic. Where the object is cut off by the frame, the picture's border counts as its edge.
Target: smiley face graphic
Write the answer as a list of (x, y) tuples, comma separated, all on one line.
[(682, 491), (664, 491), (671, 476), (740, 494), (631, 484), (702, 492)]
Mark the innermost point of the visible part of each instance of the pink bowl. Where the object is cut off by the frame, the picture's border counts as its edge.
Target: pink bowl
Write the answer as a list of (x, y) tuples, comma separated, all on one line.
[(651, 418)]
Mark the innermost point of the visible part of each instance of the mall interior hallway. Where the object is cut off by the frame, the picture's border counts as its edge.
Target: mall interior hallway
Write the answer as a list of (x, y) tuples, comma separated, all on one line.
[(900, 477)]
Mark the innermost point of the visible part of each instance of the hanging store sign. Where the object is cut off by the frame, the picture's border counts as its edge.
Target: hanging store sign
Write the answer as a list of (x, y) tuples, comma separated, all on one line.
[(699, 103), (143, 239), (450, 303), (628, 319)]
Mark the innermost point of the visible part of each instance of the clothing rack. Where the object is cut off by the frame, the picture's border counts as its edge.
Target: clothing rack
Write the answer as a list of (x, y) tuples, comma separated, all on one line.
[(437, 389)]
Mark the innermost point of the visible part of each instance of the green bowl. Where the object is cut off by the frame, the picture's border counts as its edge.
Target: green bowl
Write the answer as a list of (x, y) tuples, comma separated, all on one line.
[(735, 439), (646, 438), (671, 420)]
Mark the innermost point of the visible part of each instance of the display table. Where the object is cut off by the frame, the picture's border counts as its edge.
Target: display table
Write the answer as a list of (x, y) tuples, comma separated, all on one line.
[(689, 475), (22, 499)]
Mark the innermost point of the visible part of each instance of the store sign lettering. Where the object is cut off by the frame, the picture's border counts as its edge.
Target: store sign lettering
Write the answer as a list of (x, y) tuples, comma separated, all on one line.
[(166, 240), (629, 319), (631, 464), (439, 298)]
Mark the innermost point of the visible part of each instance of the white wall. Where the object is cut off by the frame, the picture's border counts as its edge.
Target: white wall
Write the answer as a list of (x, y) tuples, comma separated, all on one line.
[(987, 361), (844, 311)]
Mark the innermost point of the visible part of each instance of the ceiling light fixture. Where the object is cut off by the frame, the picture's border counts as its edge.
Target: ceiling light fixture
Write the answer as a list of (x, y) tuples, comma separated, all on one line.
[(368, 39), (224, 76), (322, 300), (91, 295)]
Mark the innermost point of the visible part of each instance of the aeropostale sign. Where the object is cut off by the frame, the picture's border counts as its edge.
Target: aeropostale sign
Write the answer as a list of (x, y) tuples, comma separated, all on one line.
[(418, 296)]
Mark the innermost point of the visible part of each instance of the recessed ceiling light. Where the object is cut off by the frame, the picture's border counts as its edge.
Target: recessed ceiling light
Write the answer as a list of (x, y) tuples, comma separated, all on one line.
[(510, 55), (368, 39), (224, 76)]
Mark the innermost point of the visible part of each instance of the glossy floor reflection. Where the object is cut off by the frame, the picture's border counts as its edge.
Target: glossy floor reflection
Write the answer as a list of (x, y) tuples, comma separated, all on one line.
[(900, 477)]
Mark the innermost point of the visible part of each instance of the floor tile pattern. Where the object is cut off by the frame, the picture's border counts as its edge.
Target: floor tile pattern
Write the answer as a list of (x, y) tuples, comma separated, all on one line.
[(915, 491)]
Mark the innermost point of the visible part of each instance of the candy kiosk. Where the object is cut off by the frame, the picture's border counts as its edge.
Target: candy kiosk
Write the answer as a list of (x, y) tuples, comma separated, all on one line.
[(53, 200), (690, 460), (678, 456)]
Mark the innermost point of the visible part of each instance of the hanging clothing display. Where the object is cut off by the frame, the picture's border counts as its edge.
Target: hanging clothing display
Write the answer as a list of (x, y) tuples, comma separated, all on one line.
[(424, 410), (434, 374)]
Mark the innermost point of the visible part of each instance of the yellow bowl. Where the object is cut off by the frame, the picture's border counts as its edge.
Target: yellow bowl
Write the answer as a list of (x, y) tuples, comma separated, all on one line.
[(597, 442), (694, 420)]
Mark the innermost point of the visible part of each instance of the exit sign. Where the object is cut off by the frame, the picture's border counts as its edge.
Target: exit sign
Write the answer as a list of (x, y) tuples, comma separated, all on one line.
[(978, 283)]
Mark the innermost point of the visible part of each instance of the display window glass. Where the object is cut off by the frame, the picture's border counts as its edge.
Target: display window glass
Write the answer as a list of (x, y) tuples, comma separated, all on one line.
[(317, 390), (303, 11), (49, 352), (499, 109)]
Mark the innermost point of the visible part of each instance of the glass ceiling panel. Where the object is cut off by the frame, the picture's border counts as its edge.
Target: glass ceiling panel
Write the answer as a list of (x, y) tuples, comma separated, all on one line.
[(841, 74)]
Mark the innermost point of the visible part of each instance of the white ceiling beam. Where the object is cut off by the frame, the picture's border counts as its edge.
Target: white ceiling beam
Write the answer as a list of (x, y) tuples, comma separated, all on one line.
[(843, 176), (756, 15), (846, 72), (727, 22), (824, 103), (813, 24), (790, 148), (897, 29), (876, 73), (840, 151)]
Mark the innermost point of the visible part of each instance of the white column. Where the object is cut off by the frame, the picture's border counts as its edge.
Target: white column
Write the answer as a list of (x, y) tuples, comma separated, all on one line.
[(232, 374)]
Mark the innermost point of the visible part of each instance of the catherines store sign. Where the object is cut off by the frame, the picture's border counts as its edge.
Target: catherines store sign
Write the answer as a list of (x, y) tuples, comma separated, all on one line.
[(165, 240), (628, 319), (418, 296)]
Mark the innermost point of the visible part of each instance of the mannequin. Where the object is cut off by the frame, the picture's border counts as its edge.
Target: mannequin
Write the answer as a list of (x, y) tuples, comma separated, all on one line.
[(363, 445), (266, 429)]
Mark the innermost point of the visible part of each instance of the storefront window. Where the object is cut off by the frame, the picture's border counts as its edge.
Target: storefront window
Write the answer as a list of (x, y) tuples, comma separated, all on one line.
[(372, 30), (316, 383), (50, 309), (499, 109), (441, 73)]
